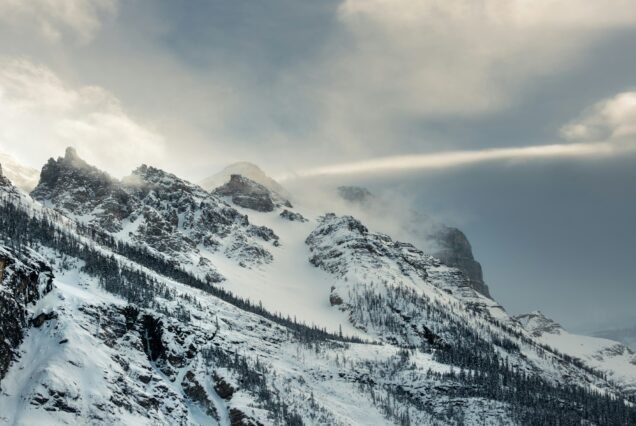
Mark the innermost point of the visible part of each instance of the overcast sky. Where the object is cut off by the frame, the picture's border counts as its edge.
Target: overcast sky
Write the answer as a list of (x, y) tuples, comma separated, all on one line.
[(513, 119)]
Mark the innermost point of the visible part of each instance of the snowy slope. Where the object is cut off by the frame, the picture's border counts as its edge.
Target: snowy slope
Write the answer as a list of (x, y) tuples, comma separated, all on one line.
[(170, 306), (611, 357)]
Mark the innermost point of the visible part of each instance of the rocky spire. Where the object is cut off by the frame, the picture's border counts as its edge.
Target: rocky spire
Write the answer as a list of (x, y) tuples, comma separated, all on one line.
[(71, 154)]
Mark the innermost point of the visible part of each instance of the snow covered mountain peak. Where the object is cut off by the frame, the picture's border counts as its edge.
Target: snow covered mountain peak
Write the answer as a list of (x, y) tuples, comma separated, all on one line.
[(538, 324)]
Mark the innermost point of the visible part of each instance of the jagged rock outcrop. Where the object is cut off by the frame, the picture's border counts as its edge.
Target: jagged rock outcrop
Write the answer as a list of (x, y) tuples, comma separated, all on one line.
[(453, 247), (344, 247), (246, 193), (24, 279), (455, 250), (72, 185), (248, 170), (293, 216), (153, 209)]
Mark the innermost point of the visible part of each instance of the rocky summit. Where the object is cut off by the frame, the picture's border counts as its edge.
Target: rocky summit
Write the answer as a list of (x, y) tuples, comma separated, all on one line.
[(246, 193), (152, 301)]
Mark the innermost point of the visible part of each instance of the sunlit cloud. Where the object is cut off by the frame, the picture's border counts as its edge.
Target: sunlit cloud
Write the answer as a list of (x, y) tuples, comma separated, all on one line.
[(41, 115), (450, 159)]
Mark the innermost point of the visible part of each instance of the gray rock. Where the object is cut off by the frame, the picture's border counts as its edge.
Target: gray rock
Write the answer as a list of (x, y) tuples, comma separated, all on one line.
[(251, 195), (456, 251)]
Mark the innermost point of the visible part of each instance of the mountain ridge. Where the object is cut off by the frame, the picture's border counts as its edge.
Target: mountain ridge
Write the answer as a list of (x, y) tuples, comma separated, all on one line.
[(160, 315)]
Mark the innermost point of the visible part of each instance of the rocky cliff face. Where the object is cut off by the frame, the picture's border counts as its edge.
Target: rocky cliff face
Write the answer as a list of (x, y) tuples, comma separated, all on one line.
[(452, 245), (455, 250), (246, 193), (24, 279), (72, 185), (247, 170), (155, 210)]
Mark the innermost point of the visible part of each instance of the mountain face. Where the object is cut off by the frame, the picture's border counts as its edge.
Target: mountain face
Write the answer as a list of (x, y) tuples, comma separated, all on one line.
[(155, 210), (451, 244), (613, 358), (626, 336), (25, 278), (152, 301), (455, 250), (247, 170), (246, 193)]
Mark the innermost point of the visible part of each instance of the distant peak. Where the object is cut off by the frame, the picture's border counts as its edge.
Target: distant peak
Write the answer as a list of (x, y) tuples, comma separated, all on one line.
[(354, 194), (538, 324), (245, 169), (71, 154), (72, 158)]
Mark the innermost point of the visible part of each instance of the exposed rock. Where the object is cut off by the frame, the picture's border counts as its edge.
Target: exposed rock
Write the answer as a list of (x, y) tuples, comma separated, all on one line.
[(456, 251), (239, 418), (152, 332), (293, 216), (161, 212), (196, 392), (223, 389), (24, 279), (69, 183), (245, 169), (251, 195), (334, 298), (39, 321)]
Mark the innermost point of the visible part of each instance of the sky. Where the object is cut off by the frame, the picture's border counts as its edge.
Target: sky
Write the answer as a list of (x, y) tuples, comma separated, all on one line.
[(514, 120)]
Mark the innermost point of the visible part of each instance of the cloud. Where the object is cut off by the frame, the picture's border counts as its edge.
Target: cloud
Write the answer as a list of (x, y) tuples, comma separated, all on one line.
[(606, 129), (41, 115), (467, 56), (56, 20), (611, 119), (445, 160)]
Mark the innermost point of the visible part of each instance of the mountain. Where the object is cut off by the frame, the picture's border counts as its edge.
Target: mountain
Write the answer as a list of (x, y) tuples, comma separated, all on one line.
[(247, 170), (451, 245), (152, 301), (24, 177), (615, 359), (246, 193), (626, 336)]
